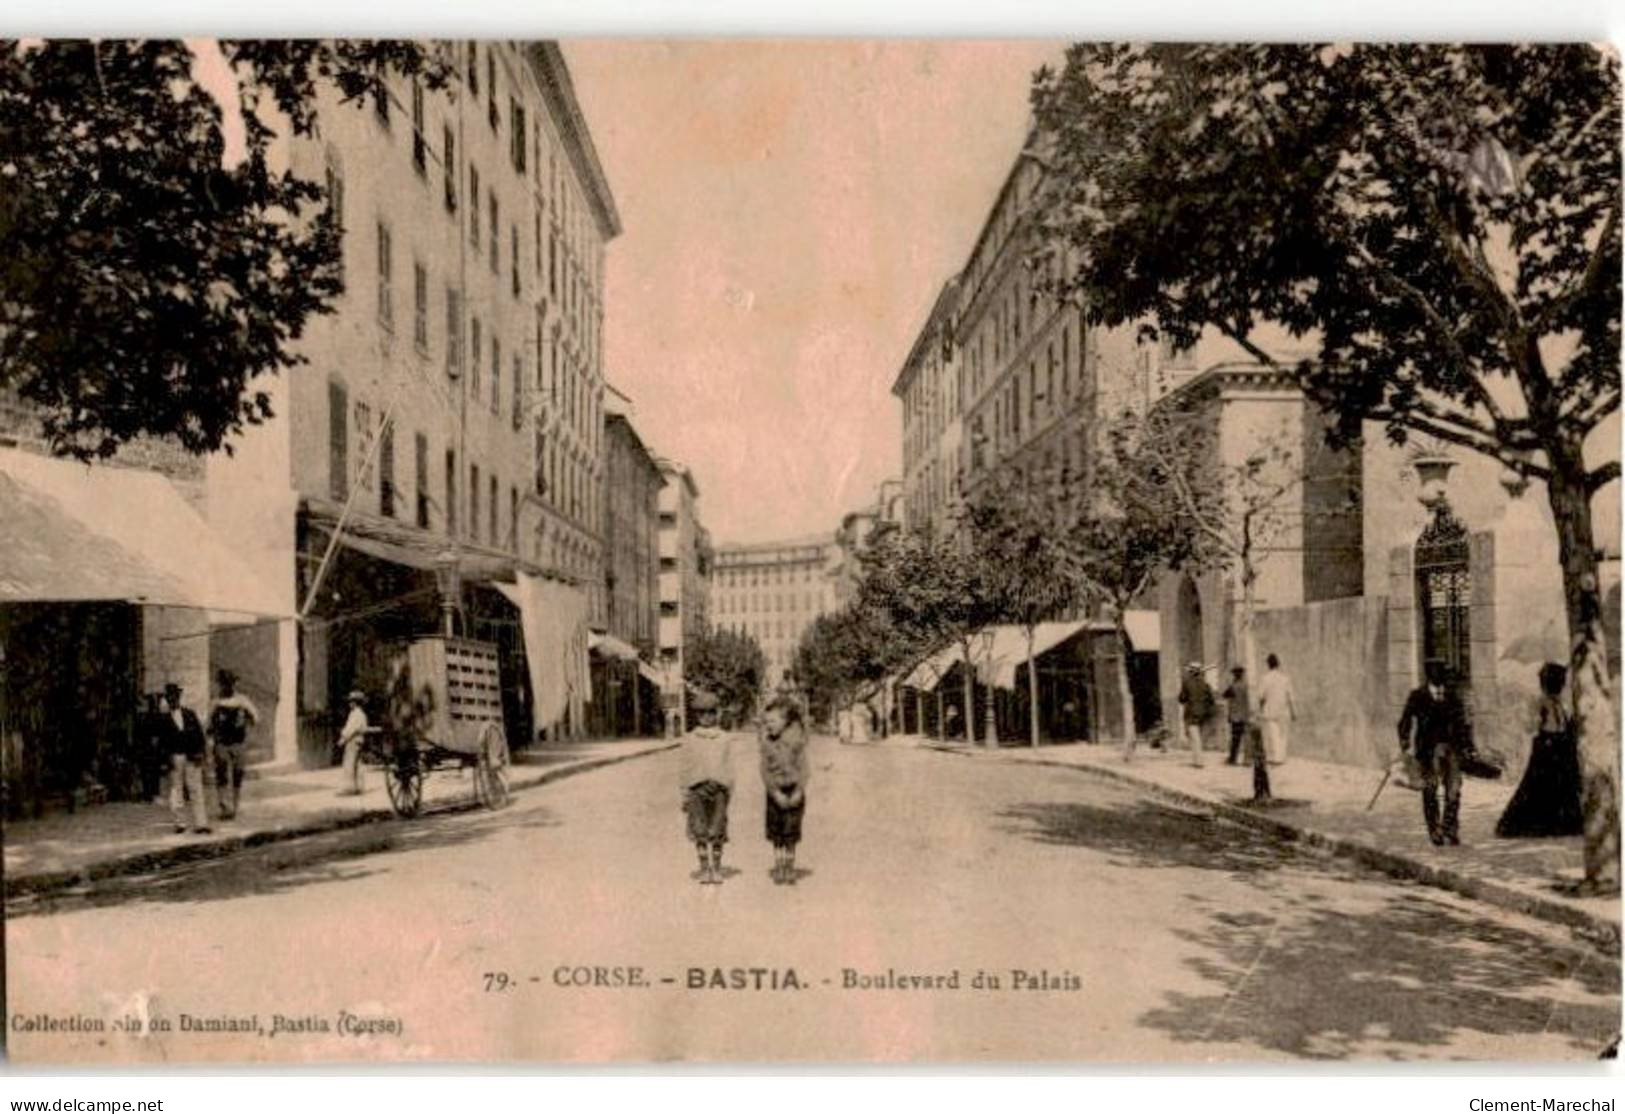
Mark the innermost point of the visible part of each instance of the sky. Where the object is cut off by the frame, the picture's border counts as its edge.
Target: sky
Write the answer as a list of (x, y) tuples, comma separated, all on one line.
[(790, 210)]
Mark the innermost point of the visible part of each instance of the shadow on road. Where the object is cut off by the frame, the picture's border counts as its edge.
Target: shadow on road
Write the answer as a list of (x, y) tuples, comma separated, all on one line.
[(274, 868), (1312, 973)]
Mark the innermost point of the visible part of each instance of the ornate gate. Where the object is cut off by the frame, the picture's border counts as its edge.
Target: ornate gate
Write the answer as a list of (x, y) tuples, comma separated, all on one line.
[(1443, 589)]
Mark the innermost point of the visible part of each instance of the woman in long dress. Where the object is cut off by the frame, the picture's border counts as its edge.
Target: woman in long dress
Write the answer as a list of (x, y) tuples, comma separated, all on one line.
[(1547, 802)]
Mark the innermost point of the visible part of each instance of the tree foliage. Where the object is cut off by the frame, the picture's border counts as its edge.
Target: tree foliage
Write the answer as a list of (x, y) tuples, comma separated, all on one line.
[(144, 282), (728, 665), (1441, 222)]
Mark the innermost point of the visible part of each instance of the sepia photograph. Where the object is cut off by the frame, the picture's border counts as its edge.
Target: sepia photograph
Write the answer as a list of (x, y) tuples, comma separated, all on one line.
[(786, 551)]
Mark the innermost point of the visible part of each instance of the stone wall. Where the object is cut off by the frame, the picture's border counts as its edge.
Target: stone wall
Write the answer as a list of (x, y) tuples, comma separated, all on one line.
[(1334, 651)]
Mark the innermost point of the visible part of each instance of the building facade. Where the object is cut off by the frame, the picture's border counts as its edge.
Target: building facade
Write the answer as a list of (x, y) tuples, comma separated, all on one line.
[(684, 548), (631, 499), (448, 423), (930, 389), (772, 591)]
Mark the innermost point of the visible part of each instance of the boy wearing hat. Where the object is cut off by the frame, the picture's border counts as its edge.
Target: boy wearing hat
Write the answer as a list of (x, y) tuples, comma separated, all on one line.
[(351, 737), (707, 783), (183, 739)]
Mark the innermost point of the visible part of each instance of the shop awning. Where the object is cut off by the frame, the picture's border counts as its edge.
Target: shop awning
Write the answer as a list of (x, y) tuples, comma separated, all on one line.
[(650, 673), (929, 673), (83, 532), (608, 646), (1008, 650), (400, 544)]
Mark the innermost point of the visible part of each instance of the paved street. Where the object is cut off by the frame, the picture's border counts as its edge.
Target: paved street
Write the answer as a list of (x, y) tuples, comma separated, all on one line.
[(1164, 935)]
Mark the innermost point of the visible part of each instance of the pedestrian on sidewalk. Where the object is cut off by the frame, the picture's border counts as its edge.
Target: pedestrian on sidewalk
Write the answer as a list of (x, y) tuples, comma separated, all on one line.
[(1433, 727), (1239, 711), (230, 717), (1197, 698), (1277, 707), (783, 744), (184, 741), (351, 738), (1547, 801), (707, 777)]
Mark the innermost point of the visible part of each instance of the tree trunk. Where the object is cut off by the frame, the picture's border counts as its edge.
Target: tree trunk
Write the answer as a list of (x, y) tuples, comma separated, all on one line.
[(1125, 697), (970, 696), (1032, 691), (1595, 720), (942, 732)]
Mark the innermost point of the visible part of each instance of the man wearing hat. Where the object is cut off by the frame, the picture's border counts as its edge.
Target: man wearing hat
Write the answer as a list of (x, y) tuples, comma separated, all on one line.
[(707, 779), (1197, 697), (183, 739), (351, 737)]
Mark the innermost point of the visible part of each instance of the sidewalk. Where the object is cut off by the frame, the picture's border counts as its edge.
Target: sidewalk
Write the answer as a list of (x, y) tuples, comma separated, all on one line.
[(1324, 804), (68, 849)]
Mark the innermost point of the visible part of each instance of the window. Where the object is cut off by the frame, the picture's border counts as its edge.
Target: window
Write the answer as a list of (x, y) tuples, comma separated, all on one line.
[(420, 448), (514, 229), (513, 516), (473, 206), (450, 138), (518, 390), (491, 88), (420, 145), (538, 243), (553, 264), (386, 470), (540, 441), (493, 509), (474, 357), (380, 100), (520, 136), (496, 236), (335, 195), (338, 444), (496, 375), (474, 68), (454, 333), (1066, 360), (474, 501), (385, 304), (420, 305), (451, 491)]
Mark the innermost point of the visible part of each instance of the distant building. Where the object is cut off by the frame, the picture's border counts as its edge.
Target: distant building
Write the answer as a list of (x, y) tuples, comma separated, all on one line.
[(626, 689), (772, 591), (684, 583), (930, 387)]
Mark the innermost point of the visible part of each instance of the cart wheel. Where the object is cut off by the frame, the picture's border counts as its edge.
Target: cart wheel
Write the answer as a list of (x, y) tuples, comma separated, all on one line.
[(491, 774), (404, 779)]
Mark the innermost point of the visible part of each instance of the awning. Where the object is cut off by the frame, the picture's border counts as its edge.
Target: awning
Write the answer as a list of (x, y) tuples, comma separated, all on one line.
[(396, 542), (148, 542), (553, 617), (609, 646), (930, 672), (1009, 649), (650, 673)]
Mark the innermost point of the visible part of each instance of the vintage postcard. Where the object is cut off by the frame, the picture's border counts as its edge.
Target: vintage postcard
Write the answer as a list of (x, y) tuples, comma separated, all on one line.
[(750, 551)]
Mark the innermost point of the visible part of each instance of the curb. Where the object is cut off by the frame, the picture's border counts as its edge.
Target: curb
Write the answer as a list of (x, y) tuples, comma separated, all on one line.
[(147, 861), (1596, 930)]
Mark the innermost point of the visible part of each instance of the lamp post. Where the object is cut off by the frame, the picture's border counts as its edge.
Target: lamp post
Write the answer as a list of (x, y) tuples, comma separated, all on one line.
[(448, 582)]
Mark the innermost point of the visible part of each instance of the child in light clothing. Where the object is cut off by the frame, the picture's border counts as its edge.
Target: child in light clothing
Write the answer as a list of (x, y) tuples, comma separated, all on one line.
[(707, 783)]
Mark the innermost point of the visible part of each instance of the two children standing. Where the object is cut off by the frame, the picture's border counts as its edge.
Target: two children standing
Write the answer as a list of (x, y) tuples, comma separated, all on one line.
[(707, 784)]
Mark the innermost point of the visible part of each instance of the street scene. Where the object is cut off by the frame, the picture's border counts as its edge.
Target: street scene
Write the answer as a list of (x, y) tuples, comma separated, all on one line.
[(894, 551)]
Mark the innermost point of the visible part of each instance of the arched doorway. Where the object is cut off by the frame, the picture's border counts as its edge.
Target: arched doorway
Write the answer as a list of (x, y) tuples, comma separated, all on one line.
[(1190, 623), (1443, 591)]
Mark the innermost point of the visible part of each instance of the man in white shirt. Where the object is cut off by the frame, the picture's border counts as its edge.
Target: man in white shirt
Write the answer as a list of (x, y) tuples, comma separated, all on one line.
[(351, 737), (1277, 707)]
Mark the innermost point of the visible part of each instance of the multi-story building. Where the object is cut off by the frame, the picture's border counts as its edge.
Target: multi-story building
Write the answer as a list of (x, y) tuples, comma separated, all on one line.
[(448, 425), (773, 591), (857, 528), (930, 387), (684, 583)]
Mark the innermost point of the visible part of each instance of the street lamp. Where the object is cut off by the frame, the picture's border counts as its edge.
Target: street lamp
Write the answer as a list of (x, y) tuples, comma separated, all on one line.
[(448, 582)]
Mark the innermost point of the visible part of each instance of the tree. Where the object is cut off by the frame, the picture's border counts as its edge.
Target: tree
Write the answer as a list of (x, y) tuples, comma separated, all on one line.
[(728, 665), (1441, 221), (1012, 526), (144, 282), (1121, 525), (937, 589)]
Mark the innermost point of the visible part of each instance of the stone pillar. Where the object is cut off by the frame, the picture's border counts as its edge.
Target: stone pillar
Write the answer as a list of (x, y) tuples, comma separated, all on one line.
[(1403, 667), (1481, 628)]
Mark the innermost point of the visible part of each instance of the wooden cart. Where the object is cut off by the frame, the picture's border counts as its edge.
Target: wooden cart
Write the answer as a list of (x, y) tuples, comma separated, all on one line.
[(444, 713)]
